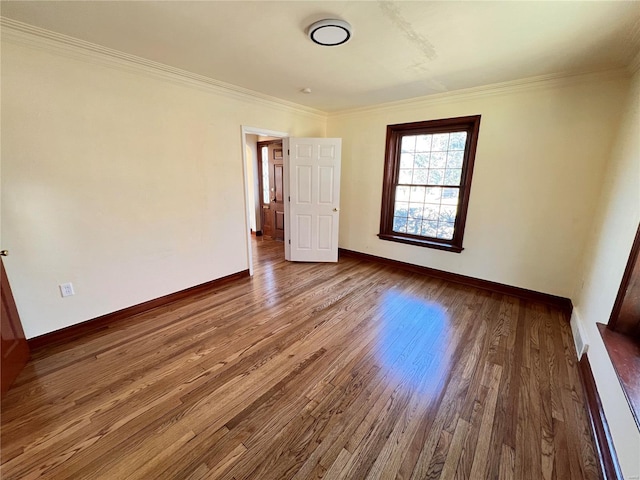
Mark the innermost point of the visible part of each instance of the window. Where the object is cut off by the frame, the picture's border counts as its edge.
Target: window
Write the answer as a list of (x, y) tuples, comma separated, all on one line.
[(264, 155), (427, 180)]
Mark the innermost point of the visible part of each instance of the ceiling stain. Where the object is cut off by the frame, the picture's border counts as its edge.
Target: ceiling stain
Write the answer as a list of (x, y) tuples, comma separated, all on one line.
[(392, 12)]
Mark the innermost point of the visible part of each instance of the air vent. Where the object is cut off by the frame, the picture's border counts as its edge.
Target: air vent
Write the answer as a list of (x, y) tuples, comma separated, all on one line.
[(579, 337)]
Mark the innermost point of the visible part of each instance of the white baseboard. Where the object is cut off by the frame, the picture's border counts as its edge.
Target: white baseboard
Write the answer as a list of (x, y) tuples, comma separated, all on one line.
[(580, 338)]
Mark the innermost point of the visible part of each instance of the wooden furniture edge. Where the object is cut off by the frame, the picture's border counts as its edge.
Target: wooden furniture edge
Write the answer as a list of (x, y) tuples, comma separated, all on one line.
[(605, 450), (612, 324), (564, 304), (622, 350), (104, 321)]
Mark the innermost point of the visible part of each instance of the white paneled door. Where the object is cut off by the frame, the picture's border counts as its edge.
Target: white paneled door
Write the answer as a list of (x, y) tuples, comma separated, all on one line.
[(314, 206)]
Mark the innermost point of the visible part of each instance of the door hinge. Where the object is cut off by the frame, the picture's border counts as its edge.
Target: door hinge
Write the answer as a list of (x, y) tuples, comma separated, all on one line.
[(289, 197), (289, 241), (288, 152)]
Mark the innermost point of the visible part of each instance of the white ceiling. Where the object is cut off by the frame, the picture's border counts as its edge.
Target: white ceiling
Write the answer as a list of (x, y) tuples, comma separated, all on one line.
[(398, 50)]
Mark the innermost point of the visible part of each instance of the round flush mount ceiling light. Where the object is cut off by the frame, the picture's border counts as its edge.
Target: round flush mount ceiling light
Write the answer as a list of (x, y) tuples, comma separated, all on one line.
[(330, 33)]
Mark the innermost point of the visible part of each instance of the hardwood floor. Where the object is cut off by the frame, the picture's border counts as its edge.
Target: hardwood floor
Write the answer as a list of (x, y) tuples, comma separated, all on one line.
[(350, 370)]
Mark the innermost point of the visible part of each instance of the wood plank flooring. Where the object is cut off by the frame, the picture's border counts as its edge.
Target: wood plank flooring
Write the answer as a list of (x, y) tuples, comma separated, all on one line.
[(351, 370)]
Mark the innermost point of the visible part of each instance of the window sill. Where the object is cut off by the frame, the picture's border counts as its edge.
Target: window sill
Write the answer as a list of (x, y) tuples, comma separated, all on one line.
[(625, 356), (420, 242)]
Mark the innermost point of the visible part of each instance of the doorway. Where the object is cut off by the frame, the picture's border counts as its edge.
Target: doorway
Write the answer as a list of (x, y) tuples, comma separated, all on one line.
[(253, 193), (271, 187)]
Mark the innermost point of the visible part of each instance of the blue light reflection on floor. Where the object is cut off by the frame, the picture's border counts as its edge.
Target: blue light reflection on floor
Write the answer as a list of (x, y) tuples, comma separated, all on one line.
[(413, 335)]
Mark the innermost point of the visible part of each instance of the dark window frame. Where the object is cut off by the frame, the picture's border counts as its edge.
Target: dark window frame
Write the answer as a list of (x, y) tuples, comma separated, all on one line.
[(470, 124)]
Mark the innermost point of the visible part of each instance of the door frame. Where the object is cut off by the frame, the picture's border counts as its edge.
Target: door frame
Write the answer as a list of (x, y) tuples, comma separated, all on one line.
[(244, 131)]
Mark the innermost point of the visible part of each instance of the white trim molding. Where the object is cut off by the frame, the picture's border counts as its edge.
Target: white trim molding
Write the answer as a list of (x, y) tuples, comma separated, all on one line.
[(36, 37), (513, 86)]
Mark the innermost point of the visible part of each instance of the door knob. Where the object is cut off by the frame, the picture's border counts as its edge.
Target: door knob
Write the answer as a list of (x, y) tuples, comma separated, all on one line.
[(336, 209), (4, 253)]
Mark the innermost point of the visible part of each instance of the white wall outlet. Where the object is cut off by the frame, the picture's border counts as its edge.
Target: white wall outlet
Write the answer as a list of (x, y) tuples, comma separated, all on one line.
[(66, 289)]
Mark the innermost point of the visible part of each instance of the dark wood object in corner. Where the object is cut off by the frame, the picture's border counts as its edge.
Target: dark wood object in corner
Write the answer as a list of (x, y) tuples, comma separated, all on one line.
[(624, 315), (564, 304), (624, 353), (602, 436), (621, 335), (75, 331), (15, 350)]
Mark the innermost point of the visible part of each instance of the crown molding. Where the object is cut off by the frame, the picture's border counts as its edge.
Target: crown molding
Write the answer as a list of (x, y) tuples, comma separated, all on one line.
[(502, 88), (36, 37)]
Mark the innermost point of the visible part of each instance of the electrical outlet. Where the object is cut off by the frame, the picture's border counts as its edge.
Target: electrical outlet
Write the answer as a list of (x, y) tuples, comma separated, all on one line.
[(66, 289)]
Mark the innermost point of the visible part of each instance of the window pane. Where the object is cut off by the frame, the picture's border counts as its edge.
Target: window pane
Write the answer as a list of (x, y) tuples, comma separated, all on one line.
[(423, 143), (408, 144), (401, 210), (433, 195), (447, 213), (457, 140), (436, 177), (431, 212), (420, 176), (402, 194), (421, 160), (440, 142), (413, 226), (438, 160), (417, 194), (264, 153), (400, 224), (406, 174), (406, 160), (450, 196), (454, 159), (429, 229), (415, 210), (452, 176), (445, 231)]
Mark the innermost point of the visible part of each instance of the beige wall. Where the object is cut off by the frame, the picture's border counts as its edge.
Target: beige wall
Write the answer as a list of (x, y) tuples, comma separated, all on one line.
[(540, 159), (127, 185), (610, 238)]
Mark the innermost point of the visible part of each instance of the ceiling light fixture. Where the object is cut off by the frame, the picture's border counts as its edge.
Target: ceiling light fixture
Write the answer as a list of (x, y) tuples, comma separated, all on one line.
[(330, 33)]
